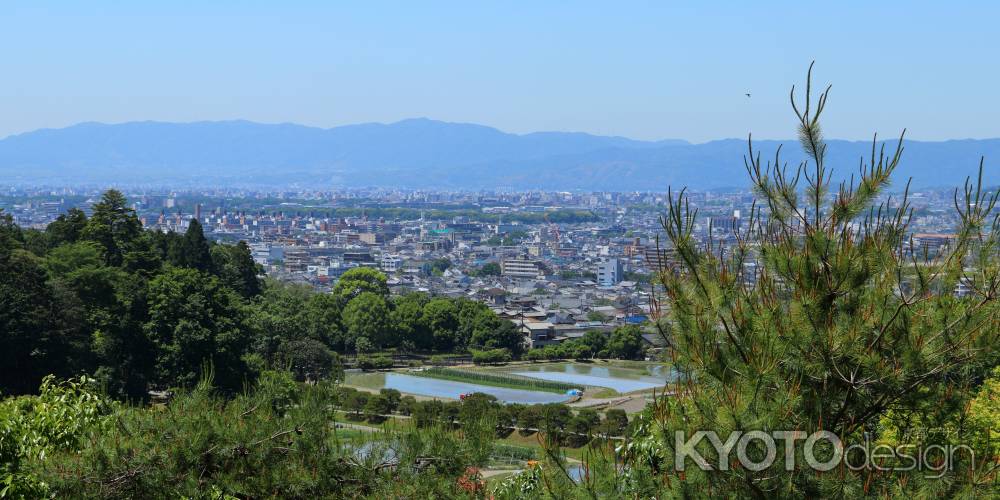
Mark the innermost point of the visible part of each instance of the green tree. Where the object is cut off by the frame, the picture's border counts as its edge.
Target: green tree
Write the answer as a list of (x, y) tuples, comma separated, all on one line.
[(408, 320), (114, 226), (36, 324), (359, 280), (626, 343), (488, 331), (596, 340), (437, 267), (64, 259), (67, 228), (236, 268), (309, 359), (580, 427), (367, 316), (195, 321), (493, 356), (842, 325), (529, 418), (489, 269), (427, 413), (393, 397), (406, 405), (555, 418), (441, 317), (194, 250), (377, 407), (615, 422), (356, 401)]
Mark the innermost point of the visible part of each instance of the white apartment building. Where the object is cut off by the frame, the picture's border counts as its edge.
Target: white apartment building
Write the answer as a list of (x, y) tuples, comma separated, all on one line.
[(609, 272)]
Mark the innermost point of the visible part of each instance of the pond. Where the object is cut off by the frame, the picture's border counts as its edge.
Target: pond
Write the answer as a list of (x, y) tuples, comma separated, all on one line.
[(619, 379), (432, 387)]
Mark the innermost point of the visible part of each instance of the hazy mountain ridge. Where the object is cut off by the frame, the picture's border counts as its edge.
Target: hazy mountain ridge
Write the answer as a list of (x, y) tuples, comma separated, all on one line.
[(426, 153)]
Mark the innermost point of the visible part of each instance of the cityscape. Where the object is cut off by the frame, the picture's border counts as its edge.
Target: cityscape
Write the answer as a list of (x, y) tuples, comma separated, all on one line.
[(499, 251)]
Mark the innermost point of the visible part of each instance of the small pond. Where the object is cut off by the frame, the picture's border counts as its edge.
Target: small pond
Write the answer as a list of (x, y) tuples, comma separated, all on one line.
[(425, 386), (619, 379)]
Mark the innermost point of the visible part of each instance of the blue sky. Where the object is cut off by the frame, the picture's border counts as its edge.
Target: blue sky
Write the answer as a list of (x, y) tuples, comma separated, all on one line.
[(646, 70)]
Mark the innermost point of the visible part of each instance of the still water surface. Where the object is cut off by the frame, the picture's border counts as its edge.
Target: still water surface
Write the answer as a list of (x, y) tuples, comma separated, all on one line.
[(450, 389), (619, 379)]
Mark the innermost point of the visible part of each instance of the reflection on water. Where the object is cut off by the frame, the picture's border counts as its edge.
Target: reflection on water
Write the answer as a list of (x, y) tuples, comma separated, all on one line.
[(425, 386), (619, 379)]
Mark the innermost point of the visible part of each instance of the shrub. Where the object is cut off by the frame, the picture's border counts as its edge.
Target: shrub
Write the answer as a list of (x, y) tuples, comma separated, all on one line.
[(380, 362), (491, 357)]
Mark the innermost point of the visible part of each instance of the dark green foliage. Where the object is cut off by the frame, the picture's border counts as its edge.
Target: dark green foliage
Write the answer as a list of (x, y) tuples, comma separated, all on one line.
[(374, 362), (367, 315), (625, 343), (236, 268), (309, 359), (406, 405), (437, 267), (39, 324), (377, 407), (291, 312), (194, 250), (529, 418), (194, 320), (276, 441), (67, 228), (488, 269), (393, 397), (441, 316), (97, 299), (408, 320), (615, 422), (113, 226), (581, 427)]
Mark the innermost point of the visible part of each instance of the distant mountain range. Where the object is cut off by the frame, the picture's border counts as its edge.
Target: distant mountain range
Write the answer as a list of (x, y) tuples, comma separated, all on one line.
[(423, 153)]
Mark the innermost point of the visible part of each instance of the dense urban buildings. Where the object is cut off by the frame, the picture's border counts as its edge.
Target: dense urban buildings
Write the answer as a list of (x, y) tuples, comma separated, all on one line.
[(557, 263)]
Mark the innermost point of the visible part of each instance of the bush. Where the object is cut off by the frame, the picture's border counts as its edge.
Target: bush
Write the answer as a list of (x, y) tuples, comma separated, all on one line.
[(309, 359), (380, 362), (281, 387), (491, 357)]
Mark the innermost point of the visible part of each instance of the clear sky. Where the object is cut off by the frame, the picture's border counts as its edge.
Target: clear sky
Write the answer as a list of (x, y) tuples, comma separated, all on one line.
[(647, 70)]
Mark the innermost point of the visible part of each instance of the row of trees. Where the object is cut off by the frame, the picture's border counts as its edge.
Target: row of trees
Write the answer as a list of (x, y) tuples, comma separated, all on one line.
[(360, 316), (556, 420), (625, 342)]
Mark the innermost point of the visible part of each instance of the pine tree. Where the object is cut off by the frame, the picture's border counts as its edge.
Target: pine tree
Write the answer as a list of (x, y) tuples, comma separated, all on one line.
[(844, 327), (197, 253), (113, 225)]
